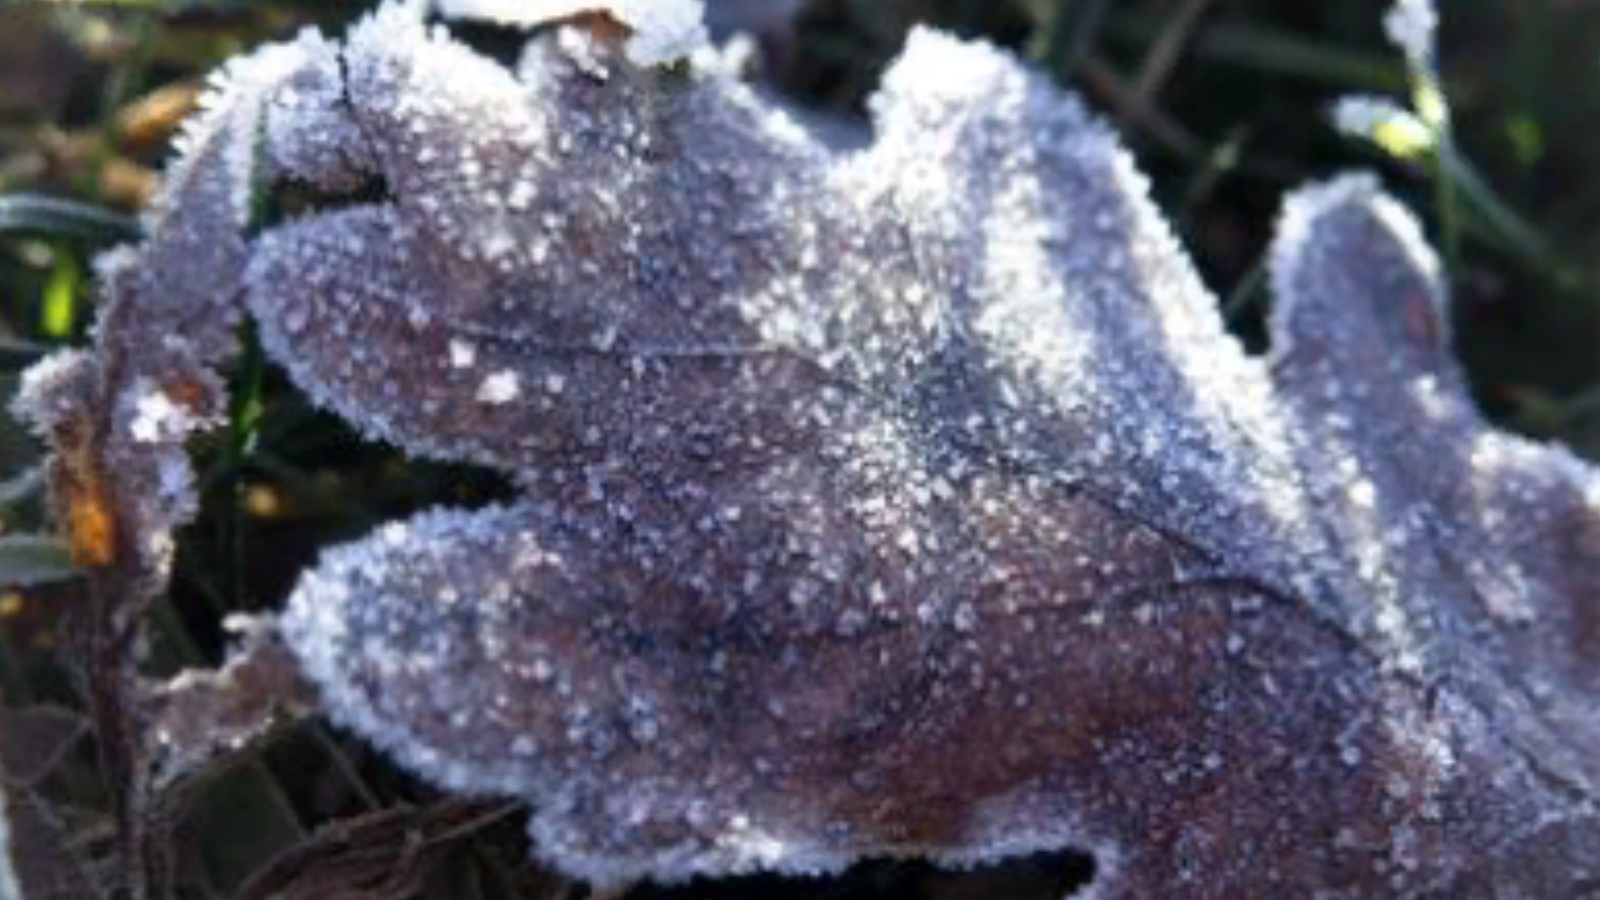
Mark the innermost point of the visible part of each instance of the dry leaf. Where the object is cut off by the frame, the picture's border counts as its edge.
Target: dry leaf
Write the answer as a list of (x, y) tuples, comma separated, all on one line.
[(904, 502)]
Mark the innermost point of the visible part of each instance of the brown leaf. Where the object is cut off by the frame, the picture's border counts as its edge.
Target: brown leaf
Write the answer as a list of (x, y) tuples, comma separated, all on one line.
[(903, 502), (201, 715)]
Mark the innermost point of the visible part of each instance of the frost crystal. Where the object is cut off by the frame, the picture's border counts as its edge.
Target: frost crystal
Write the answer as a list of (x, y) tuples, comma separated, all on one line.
[(501, 387), (912, 500), (1383, 120), (1412, 25)]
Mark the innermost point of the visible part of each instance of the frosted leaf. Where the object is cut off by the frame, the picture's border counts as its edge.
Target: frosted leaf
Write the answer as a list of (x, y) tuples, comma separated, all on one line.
[(818, 486), (910, 501), (50, 388), (198, 715), (1469, 531), (118, 418), (309, 135)]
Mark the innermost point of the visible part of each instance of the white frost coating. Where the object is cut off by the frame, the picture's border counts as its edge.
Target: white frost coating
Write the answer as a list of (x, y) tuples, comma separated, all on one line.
[(309, 133), (1364, 115), (738, 848), (224, 135), (846, 452), (1290, 254), (155, 417), (996, 831), (333, 625), (938, 74), (1412, 25), (663, 31), (499, 388), (315, 625), (943, 98), (46, 393)]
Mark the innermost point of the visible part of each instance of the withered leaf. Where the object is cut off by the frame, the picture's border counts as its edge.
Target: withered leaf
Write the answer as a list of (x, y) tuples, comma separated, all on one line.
[(909, 501), (200, 715)]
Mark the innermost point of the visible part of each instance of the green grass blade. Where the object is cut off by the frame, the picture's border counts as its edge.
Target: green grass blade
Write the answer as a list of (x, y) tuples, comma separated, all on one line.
[(25, 213)]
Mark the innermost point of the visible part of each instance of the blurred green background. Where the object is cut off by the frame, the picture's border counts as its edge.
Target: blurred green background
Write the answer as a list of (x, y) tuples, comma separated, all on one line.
[(1224, 102)]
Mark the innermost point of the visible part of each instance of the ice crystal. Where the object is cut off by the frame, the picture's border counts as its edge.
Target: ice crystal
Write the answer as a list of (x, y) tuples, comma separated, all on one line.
[(1412, 25), (1385, 122), (904, 501)]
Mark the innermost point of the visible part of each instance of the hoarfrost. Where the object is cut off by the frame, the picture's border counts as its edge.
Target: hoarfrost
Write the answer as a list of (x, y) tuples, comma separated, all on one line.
[(907, 501), (1413, 26), (501, 387)]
